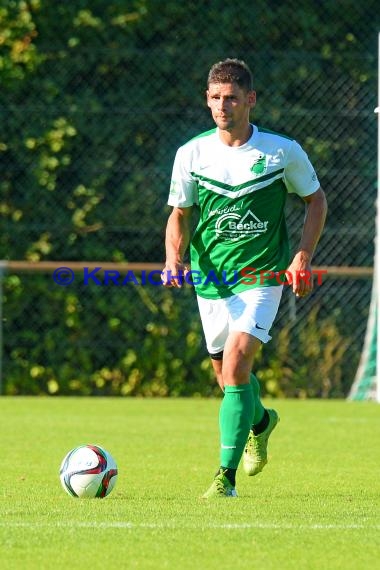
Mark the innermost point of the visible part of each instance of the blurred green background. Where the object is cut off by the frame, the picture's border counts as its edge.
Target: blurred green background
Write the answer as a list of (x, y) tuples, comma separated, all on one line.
[(95, 98)]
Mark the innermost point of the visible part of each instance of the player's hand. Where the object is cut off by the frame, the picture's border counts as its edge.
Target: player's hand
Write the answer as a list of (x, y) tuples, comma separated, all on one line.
[(300, 275), (174, 274)]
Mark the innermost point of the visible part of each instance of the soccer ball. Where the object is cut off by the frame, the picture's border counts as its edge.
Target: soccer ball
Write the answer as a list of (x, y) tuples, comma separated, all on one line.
[(88, 471)]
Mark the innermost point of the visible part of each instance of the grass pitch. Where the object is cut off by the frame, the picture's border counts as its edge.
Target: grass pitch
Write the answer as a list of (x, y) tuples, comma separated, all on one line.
[(315, 505)]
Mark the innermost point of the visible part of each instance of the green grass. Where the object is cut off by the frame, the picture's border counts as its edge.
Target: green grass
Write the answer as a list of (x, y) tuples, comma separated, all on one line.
[(315, 506)]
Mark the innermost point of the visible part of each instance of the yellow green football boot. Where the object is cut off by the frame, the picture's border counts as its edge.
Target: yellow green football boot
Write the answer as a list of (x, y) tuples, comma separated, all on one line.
[(220, 488), (255, 455)]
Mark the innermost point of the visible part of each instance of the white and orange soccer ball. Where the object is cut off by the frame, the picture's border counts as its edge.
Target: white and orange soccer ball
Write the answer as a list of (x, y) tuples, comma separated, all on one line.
[(88, 471)]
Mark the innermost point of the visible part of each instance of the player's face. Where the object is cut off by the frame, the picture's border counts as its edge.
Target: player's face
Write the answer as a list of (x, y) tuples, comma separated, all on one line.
[(230, 105)]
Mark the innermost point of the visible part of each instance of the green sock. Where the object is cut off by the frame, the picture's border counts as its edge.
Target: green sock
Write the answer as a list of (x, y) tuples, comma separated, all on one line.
[(259, 408), (235, 420)]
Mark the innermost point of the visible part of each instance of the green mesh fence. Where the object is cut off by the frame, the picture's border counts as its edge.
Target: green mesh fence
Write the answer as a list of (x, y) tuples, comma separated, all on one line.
[(95, 99)]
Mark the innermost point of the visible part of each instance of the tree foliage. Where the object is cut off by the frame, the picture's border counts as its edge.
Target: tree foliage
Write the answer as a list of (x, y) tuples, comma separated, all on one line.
[(96, 97)]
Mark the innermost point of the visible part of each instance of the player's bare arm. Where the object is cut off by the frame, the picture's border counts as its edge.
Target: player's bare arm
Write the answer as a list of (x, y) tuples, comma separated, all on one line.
[(300, 268), (176, 243)]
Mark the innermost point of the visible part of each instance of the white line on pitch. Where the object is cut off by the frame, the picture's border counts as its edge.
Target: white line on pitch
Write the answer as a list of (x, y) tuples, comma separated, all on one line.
[(173, 526)]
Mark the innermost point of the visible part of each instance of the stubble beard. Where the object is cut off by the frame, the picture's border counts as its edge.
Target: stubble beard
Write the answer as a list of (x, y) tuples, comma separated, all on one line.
[(225, 124)]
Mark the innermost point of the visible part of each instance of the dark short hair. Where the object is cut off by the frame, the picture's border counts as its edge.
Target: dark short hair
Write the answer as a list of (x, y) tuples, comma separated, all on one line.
[(231, 71)]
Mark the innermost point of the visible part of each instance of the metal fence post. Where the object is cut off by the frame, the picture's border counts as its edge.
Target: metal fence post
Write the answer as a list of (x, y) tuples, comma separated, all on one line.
[(3, 265)]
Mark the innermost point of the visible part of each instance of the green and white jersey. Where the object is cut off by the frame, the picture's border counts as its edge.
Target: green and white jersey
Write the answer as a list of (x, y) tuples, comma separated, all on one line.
[(241, 192)]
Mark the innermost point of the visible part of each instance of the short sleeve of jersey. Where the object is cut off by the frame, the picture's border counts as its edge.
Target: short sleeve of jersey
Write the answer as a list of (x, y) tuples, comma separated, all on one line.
[(299, 175), (183, 187)]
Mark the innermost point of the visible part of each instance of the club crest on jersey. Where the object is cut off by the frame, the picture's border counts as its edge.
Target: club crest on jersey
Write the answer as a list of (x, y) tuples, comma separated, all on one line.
[(233, 227), (259, 164)]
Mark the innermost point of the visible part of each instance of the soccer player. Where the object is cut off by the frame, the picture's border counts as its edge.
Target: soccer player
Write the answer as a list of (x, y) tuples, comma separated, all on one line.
[(237, 177)]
